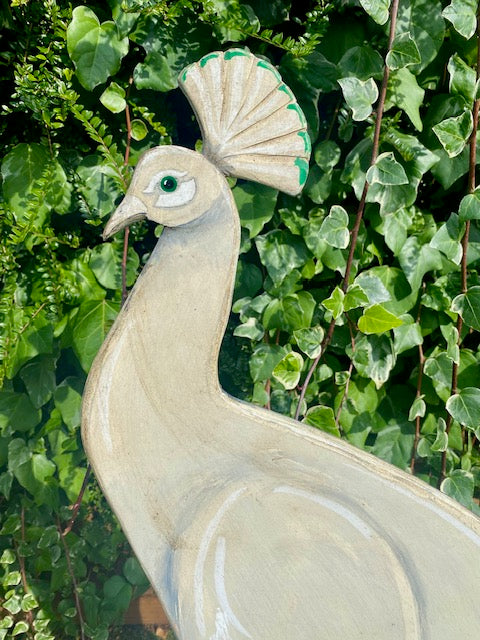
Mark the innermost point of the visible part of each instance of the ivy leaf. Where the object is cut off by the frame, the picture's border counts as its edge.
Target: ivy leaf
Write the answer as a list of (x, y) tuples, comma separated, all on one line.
[(441, 439), (92, 324), (448, 239), (264, 359), (373, 357), (68, 400), (377, 319), (463, 16), (377, 9), (359, 96), (418, 408), (454, 133), (416, 260), (17, 413), (404, 52), (281, 252), (322, 418), (406, 336), (327, 154), (288, 370), (355, 297), (251, 329), (334, 303), (96, 49), (310, 340), (38, 376), (428, 33), (293, 311), (460, 486), (118, 592), (255, 204), (470, 206), (106, 264), (464, 407), (362, 63), (462, 79), (404, 92), (113, 98), (387, 171), (334, 229), (468, 306)]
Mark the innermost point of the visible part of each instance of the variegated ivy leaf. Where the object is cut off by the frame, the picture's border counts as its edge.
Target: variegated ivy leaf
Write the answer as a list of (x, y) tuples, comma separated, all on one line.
[(359, 96), (454, 133), (463, 16)]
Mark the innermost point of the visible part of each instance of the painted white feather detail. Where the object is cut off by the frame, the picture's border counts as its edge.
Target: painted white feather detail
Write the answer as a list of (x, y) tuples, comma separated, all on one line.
[(252, 126)]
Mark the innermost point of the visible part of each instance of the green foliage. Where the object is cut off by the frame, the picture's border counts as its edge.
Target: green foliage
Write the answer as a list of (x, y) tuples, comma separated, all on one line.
[(379, 330)]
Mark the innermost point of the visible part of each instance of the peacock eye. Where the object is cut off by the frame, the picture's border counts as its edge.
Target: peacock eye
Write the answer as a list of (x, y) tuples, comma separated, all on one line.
[(168, 184), (172, 188)]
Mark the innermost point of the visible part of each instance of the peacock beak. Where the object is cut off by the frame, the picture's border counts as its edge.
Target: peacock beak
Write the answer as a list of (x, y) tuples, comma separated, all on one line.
[(130, 210)]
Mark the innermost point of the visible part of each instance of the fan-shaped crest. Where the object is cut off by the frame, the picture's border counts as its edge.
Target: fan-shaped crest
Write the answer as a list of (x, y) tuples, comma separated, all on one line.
[(251, 124)]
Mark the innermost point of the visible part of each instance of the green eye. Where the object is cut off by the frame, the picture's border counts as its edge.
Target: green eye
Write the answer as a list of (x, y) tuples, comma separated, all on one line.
[(168, 184)]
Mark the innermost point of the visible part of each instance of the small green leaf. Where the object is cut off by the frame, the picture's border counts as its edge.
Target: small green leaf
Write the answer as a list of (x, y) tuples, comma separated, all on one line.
[(334, 228), (96, 49), (134, 573), (310, 340), (464, 407), (377, 9), (355, 297), (255, 204), (106, 264), (448, 239), (20, 627), (359, 96), (288, 370), (441, 439), (463, 16), (454, 133), (251, 329), (113, 98), (387, 171), (92, 324), (68, 400), (418, 408), (408, 335), (335, 302), (293, 311), (38, 376), (264, 360), (462, 79), (460, 486), (118, 592), (404, 52), (470, 206), (327, 154), (373, 357), (468, 306), (139, 129), (322, 418), (281, 252), (17, 412), (377, 319), (404, 92), (361, 62)]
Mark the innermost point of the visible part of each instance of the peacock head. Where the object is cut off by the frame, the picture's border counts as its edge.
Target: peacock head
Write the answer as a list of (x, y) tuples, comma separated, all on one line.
[(252, 128), (171, 186)]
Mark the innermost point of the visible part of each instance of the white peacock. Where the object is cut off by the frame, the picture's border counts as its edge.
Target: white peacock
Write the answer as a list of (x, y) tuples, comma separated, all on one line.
[(249, 524)]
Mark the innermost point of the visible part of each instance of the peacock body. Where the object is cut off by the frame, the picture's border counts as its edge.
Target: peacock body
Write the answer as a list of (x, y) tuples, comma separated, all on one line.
[(249, 524)]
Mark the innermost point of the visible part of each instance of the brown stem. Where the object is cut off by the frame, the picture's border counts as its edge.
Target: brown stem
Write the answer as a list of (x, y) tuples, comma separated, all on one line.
[(78, 606), (471, 188), (361, 205), (78, 501)]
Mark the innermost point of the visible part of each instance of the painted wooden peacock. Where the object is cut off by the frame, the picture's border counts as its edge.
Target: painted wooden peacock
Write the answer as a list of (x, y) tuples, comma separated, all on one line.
[(249, 524)]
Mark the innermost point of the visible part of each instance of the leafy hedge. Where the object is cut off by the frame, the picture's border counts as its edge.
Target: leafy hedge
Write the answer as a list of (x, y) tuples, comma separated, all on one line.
[(357, 305)]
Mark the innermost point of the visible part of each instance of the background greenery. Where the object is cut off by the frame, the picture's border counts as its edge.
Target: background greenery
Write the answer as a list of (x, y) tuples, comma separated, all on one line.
[(357, 305)]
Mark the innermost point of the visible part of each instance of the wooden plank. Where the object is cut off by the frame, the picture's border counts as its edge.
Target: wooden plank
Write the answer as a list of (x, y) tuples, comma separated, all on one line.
[(146, 610)]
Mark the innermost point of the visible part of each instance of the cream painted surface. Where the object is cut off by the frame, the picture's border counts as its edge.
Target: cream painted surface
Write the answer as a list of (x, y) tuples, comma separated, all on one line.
[(249, 524)]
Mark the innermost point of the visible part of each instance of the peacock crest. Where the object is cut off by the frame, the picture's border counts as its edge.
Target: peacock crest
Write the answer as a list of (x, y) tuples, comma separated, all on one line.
[(251, 123)]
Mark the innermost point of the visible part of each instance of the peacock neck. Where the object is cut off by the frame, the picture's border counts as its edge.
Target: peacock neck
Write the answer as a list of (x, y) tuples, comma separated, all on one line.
[(178, 311)]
